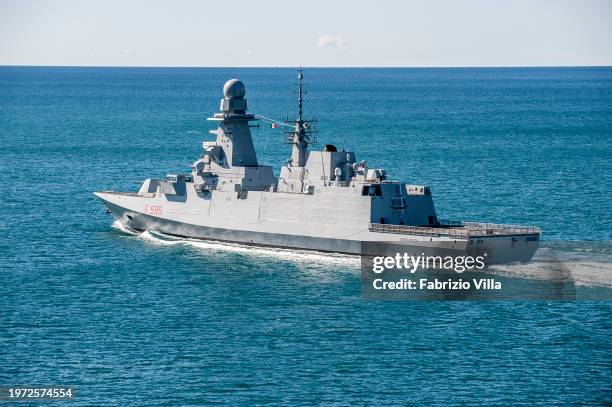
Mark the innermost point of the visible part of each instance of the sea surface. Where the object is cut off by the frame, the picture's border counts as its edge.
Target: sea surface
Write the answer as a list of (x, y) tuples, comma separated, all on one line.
[(144, 320)]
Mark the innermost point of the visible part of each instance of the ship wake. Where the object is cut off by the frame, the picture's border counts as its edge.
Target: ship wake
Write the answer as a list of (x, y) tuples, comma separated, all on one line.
[(583, 263), (349, 262)]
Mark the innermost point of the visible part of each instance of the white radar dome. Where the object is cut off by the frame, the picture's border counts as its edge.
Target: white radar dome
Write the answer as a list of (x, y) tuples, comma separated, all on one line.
[(234, 89)]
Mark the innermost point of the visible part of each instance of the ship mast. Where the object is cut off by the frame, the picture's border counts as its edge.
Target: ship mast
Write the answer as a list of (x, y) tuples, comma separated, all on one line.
[(300, 78), (300, 136)]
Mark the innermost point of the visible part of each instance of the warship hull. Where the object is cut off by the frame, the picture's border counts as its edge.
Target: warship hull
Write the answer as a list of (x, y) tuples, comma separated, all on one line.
[(501, 248)]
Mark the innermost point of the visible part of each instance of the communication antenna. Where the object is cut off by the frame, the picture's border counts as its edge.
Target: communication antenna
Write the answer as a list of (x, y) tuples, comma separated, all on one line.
[(299, 132), (303, 131)]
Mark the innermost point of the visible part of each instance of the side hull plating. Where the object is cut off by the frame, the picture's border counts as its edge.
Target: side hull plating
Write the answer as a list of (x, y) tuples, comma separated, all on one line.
[(498, 249)]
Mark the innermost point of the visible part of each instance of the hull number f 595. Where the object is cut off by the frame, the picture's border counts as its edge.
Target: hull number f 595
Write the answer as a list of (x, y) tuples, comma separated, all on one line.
[(154, 210)]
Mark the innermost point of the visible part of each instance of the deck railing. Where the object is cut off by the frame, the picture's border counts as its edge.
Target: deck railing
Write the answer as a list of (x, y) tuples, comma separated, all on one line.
[(468, 230)]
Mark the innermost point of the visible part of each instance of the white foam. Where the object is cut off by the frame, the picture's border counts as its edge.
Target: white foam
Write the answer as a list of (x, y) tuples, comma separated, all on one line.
[(120, 226), (351, 262)]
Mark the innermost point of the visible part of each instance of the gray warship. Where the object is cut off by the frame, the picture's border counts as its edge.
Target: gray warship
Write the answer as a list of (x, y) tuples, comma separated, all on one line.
[(323, 200)]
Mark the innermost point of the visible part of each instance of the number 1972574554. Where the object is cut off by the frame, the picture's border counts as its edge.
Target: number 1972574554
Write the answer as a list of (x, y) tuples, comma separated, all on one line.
[(25, 393)]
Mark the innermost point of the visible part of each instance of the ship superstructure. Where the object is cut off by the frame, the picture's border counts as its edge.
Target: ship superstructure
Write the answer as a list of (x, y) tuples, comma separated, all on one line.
[(323, 200)]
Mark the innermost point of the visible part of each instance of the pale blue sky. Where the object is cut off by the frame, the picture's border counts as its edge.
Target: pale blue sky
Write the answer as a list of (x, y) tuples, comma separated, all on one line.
[(308, 33)]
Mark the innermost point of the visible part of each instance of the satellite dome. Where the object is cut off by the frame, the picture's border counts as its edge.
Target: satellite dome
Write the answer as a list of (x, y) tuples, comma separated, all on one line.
[(234, 89)]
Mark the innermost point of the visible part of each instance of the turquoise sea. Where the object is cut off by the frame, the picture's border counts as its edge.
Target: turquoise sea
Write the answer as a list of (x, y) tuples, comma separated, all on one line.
[(140, 320)]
